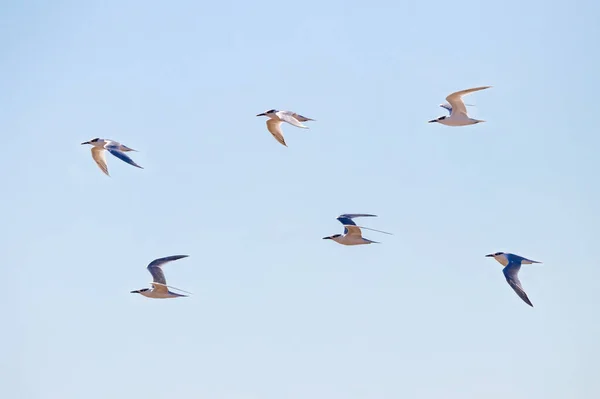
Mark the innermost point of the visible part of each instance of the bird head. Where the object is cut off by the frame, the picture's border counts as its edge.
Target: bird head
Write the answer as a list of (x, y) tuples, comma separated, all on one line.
[(267, 113), (332, 237), (92, 142), (140, 291), (438, 119), (501, 257)]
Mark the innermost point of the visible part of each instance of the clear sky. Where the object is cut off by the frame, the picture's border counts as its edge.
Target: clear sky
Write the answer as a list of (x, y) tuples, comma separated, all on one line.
[(277, 312)]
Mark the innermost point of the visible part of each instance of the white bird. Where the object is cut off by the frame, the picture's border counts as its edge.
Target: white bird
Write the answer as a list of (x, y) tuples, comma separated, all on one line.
[(115, 148), (160, 288), (277, 117), (352, 233), (458, 111), (512, 264)]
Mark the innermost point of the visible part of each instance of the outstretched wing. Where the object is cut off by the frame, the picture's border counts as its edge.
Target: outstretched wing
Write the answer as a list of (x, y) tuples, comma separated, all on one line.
[(122, 156), (100, 158), (511, 272), (346, 218), (455, 99), (301, 118), (155, 267), (274, 127), (288, 116)]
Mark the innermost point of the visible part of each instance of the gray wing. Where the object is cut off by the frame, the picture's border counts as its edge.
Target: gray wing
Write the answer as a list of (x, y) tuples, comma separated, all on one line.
[(447, 107), (122, 156), (288, 116), (346, 218), (155, 267), (511, 272), (301, 118)]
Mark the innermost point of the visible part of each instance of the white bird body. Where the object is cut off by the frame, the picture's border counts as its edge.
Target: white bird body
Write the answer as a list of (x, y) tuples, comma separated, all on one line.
[(99, 146), (159, 292), (458, 111), (352, 236), (276, 118), (160, 289)]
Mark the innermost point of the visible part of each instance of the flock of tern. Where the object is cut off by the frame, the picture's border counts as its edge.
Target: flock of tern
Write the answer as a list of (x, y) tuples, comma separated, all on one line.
[(352, 233)]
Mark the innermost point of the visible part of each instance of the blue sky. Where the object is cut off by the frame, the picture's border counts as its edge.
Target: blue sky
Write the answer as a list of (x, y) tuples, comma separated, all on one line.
[(277, 312)]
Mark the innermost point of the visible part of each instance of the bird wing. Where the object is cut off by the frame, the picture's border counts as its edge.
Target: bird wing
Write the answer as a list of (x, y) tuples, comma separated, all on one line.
[(352, 230), (290, 117), (100, 158), (511, 272), (346, 218), (155, 267), (301, 118), (122, 156), (158, 287), (455, 99), (447, 106), (274, 127)]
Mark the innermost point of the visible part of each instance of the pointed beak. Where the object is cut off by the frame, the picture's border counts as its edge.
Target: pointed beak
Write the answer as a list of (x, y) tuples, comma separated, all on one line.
[(489, 256), (87, 142), (263, 114), (431, 121), (135, 292), (327, 238)]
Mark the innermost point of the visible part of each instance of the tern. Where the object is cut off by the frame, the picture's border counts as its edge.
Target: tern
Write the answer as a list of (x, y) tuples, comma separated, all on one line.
[(115, 148), (352, 234), (458, 111), (277, 117), (512, 264), (160, 288)]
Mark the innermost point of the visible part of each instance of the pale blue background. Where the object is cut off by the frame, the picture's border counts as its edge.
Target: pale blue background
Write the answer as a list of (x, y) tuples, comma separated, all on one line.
[(277, 312)]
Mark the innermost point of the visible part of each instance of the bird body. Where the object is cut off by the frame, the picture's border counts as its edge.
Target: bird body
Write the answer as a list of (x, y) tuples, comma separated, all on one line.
[(352, 233), (160, 289), (99, 146), (512, 264), (458, 111), (276, 118)]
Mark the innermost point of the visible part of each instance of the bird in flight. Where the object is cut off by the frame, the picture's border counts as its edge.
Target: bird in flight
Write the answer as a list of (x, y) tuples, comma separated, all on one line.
[(115, 148), (277, 117), (352, 233), (512, 264), (160, 288), (458, 111)]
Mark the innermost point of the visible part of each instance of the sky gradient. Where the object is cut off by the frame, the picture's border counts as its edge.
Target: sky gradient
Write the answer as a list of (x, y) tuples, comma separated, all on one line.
[(277, 312)]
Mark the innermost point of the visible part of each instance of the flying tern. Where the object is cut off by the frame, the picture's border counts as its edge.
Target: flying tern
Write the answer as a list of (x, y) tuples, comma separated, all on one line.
[(458, 111), (352, 233), (115, 148), (160, 288), (277, 117), (512, 264)]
